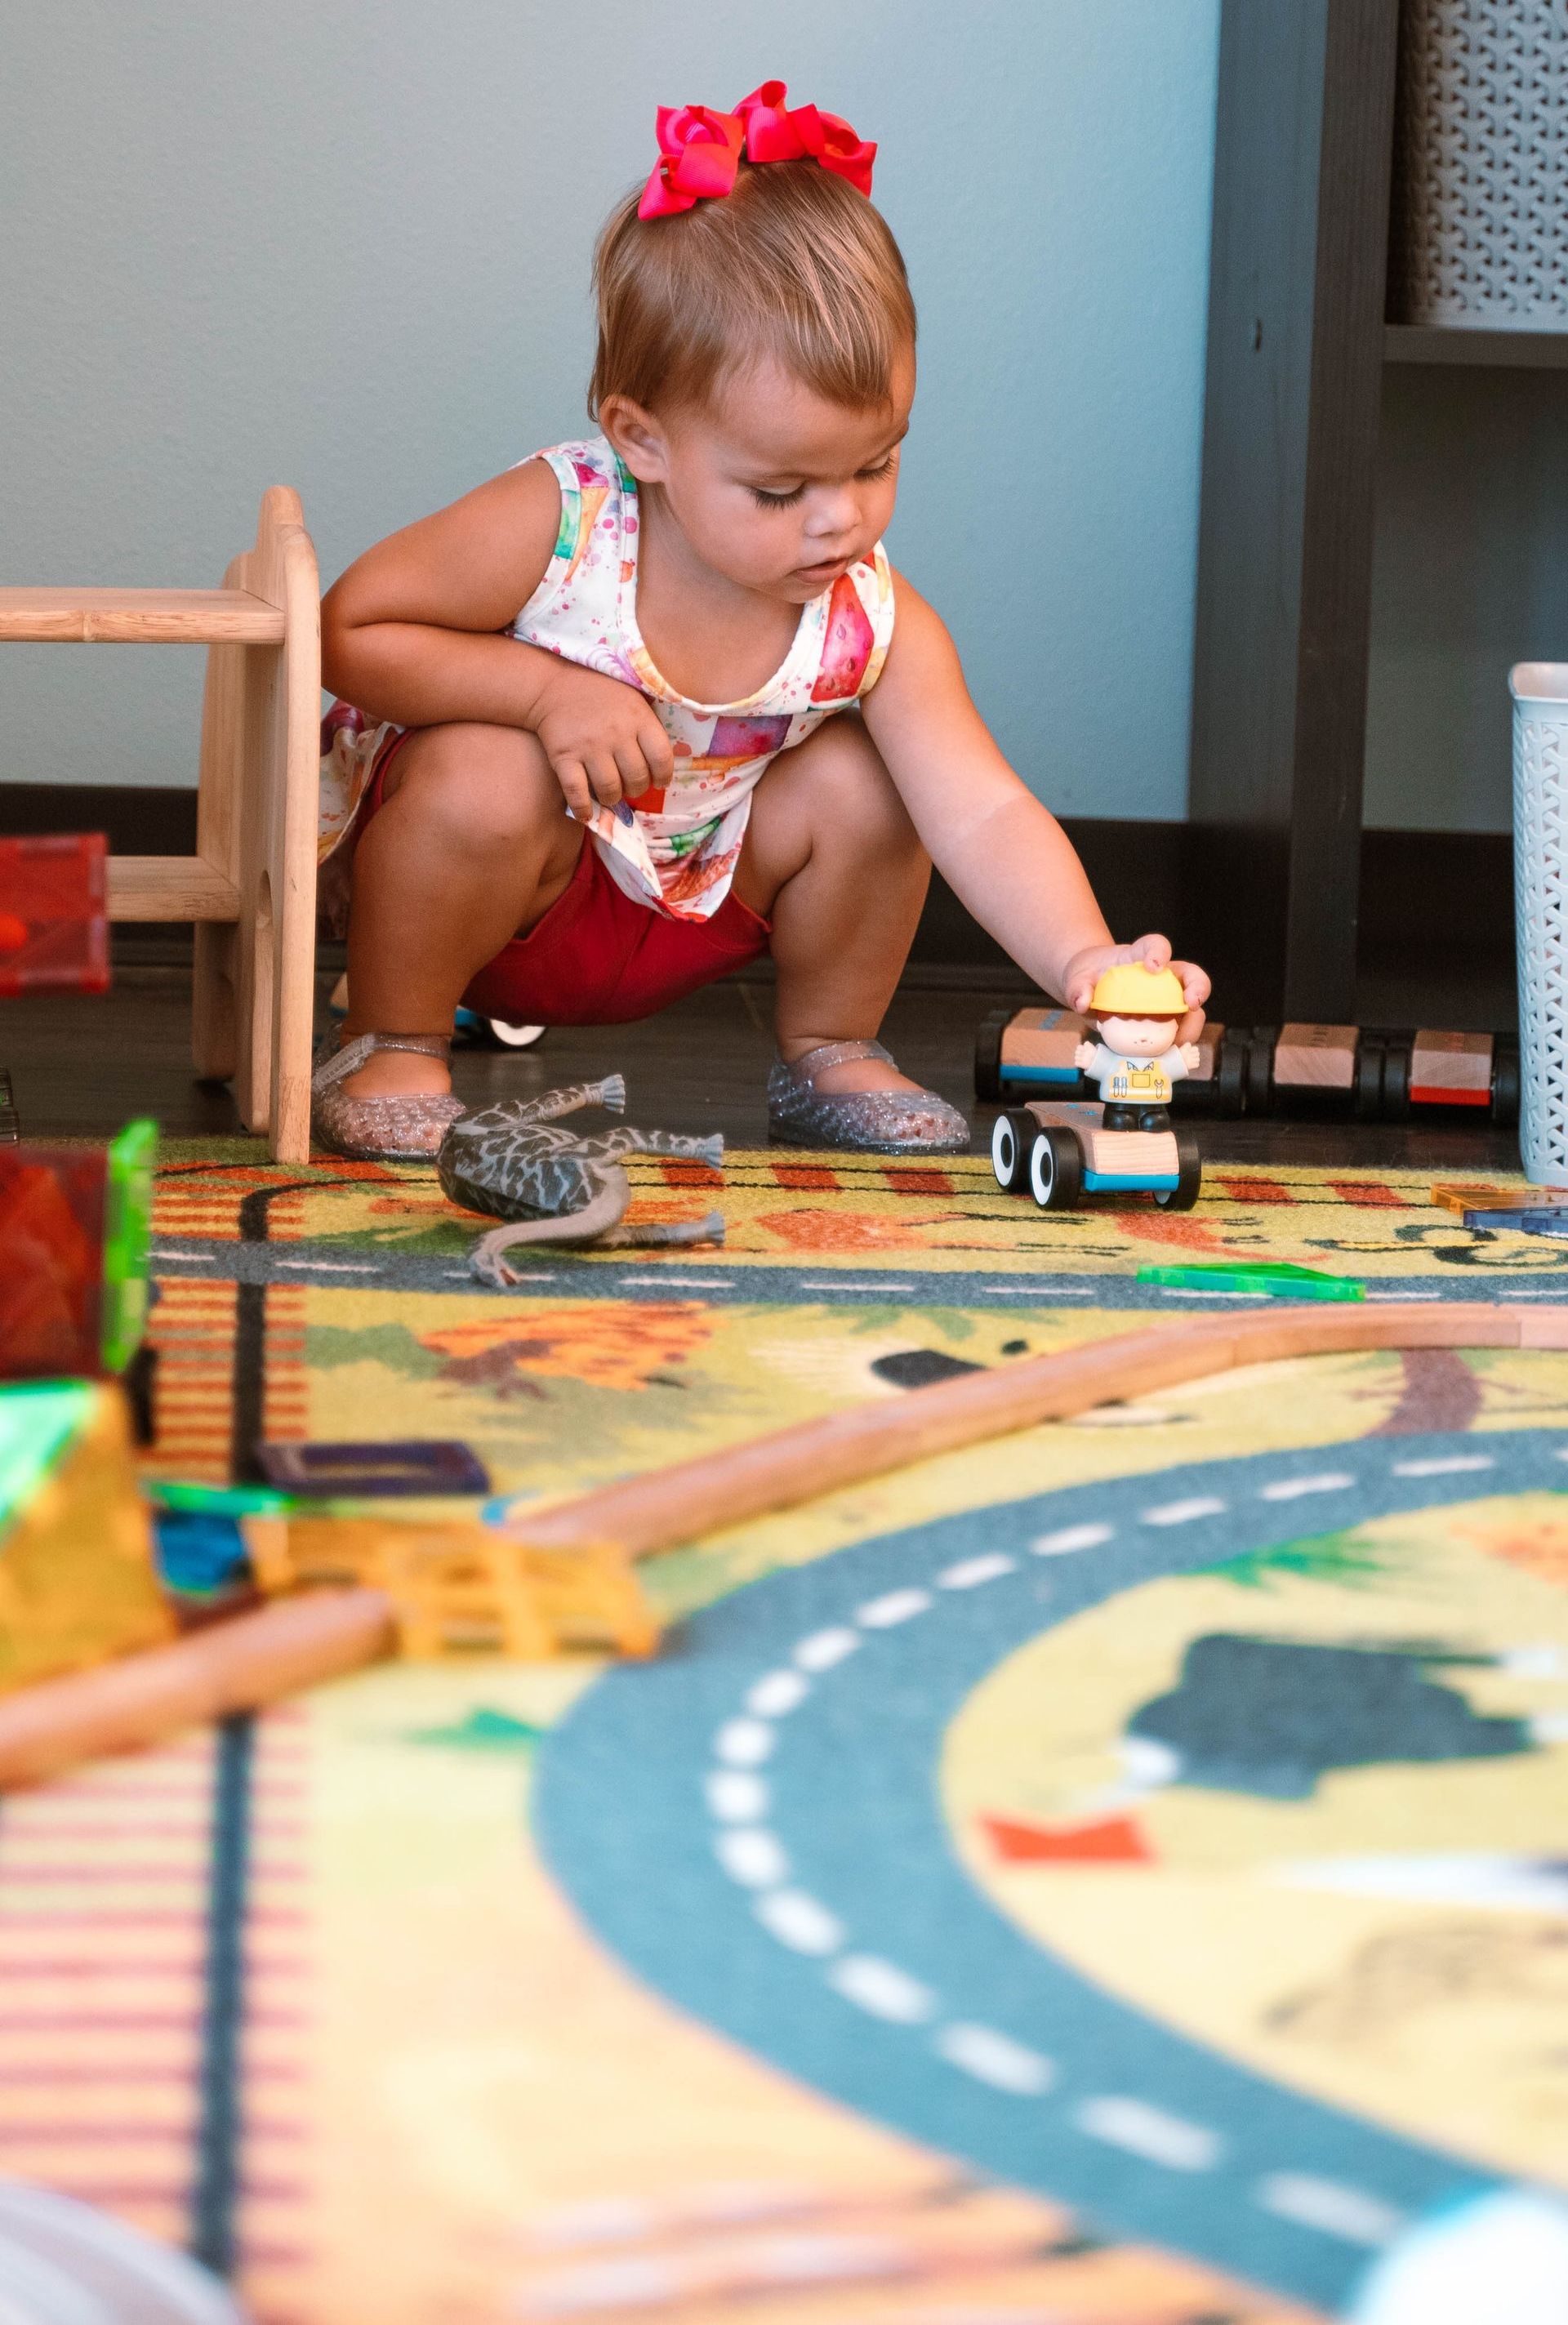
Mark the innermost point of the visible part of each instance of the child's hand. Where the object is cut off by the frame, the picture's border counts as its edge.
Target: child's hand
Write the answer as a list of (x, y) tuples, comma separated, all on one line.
[(603, 741), (1079, 976)]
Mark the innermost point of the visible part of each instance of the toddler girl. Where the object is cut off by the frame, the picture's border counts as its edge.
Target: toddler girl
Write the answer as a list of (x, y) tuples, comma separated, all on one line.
[(602, 753)]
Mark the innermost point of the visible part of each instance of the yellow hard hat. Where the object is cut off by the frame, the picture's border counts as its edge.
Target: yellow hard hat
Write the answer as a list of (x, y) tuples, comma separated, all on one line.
[(1131, 990)]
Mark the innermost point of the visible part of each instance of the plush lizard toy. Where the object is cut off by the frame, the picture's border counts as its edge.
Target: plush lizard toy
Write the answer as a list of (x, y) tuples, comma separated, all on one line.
[(552, 1186)]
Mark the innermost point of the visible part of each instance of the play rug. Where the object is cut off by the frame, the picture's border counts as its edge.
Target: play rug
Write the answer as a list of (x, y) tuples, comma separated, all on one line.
[(841, 1228), (1110, 1876)]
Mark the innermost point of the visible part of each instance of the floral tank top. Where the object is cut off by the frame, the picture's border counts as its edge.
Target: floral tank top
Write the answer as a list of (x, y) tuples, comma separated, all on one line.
[(676, 850)]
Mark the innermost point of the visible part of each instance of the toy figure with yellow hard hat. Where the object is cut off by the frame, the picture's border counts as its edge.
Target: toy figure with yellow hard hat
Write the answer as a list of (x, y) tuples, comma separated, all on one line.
[(1137, 1010)]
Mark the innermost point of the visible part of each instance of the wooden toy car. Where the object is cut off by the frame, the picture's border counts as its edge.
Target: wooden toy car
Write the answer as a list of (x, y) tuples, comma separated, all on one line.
[(1059, 1153)]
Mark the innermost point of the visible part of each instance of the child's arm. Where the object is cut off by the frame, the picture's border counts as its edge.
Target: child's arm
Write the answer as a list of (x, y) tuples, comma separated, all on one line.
[(1004, 854), (415, 631)]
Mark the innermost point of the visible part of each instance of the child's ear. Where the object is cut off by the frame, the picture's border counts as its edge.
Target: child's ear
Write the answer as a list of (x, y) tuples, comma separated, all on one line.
[(637, 437)]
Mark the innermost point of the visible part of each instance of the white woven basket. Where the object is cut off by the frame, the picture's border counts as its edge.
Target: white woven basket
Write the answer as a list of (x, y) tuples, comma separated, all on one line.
[(1540, 692), (1480, 221)]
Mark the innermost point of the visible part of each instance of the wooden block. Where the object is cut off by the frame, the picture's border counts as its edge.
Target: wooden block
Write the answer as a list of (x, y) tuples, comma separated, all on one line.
[(139, 617), (1451, 1069), (1082, 1115), (1134, 1153), (1315, 1057), (1046, 1038), (169, 888), (1461, 1195)]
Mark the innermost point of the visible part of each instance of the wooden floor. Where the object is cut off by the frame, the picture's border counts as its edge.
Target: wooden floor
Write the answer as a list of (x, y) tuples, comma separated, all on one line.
[(81, 1068)]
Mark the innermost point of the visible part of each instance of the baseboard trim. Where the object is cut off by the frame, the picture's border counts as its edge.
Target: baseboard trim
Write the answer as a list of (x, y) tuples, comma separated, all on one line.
[(1434, 904)]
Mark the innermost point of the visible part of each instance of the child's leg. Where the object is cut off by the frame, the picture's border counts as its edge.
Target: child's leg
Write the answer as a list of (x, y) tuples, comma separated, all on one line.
[(833, 860), (470, 847)]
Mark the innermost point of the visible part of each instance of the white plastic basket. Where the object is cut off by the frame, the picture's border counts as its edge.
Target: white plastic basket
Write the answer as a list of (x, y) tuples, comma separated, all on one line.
[(1480, 165), (1540, 692)]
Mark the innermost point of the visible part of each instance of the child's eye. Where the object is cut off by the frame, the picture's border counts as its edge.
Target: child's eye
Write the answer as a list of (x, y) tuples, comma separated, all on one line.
[(777, 500), (883, 467)]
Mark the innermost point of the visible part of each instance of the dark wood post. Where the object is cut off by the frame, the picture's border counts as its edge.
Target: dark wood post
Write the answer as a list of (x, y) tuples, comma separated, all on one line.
[(1304, 140)]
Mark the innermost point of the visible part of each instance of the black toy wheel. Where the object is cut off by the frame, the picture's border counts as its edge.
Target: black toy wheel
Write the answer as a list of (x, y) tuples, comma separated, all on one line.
[(988, 1054), (1260, 1069), (1505, 1084), (1231, 1073), (1189, 1184), (1369, 1085), (1012, 1136), (1396, 1077), (1055, 1170)]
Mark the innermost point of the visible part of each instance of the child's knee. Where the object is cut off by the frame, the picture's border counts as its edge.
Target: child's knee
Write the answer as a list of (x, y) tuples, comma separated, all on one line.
[(849, 785), (477, 788)]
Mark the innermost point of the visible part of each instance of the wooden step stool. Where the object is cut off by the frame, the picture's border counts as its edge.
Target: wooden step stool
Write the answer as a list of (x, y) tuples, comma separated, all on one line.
[(250, 888)]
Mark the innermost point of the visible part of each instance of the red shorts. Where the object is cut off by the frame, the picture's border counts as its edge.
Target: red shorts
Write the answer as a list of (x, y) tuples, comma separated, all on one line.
[(597, 958)]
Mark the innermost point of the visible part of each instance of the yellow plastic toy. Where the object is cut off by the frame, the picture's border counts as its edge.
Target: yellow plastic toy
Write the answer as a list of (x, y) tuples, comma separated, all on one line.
[(1131, 990), (462, 1588), (77, 1578)]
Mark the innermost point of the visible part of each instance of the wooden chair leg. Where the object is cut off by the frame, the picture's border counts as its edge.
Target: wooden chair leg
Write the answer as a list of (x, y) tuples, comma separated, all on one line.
[(279, 761), (254, 995), (223, 709)]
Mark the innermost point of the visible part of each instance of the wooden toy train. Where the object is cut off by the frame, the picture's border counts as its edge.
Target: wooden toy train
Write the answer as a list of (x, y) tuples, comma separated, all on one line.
[(1363, 1073)]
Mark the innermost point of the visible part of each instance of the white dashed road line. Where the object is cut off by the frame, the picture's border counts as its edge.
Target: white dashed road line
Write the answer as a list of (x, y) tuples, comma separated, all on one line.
[(970, 1572), (673, 1283), (797, 1920), (823, 1649), (1150, 2132), (995, 2059), (1067, 1539), (837, 1283), (882, 1988), (744, 1743), (1348, 2213), (1169, 1513), (734, 1796), (752, 1856), (896, 1607), (1443, 1465), (333, 1266), (777, 1693), (1291, 1489)]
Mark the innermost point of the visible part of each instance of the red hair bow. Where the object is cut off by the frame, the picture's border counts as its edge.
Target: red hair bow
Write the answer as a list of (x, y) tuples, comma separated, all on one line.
[(699, 150)]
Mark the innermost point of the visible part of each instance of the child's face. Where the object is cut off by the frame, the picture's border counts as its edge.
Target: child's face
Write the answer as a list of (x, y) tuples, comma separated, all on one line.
[(776, 488), (1137, 1037)]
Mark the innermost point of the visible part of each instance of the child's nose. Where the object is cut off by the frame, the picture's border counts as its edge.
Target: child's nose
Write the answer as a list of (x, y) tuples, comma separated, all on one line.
[(832, 518)]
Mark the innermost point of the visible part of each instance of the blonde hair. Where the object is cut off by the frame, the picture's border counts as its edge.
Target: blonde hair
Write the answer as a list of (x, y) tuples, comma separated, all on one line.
[(792, 263)]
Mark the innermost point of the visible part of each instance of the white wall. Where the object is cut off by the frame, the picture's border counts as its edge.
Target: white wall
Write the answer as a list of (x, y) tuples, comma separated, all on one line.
[(344, 243)]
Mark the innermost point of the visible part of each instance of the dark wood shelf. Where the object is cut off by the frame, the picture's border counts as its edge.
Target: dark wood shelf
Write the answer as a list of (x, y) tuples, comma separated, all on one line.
[(1446, 343)]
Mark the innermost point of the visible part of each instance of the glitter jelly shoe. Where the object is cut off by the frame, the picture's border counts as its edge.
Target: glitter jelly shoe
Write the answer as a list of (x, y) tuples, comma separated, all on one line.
[(398, 1128), (876, 1121)]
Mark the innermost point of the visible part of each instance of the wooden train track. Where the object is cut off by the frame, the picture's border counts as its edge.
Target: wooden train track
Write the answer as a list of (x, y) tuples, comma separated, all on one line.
[(296, 1643), (668, 1506)]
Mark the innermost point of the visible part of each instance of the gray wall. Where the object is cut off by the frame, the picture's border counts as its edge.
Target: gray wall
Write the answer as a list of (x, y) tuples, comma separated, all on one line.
[(344, 243)]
